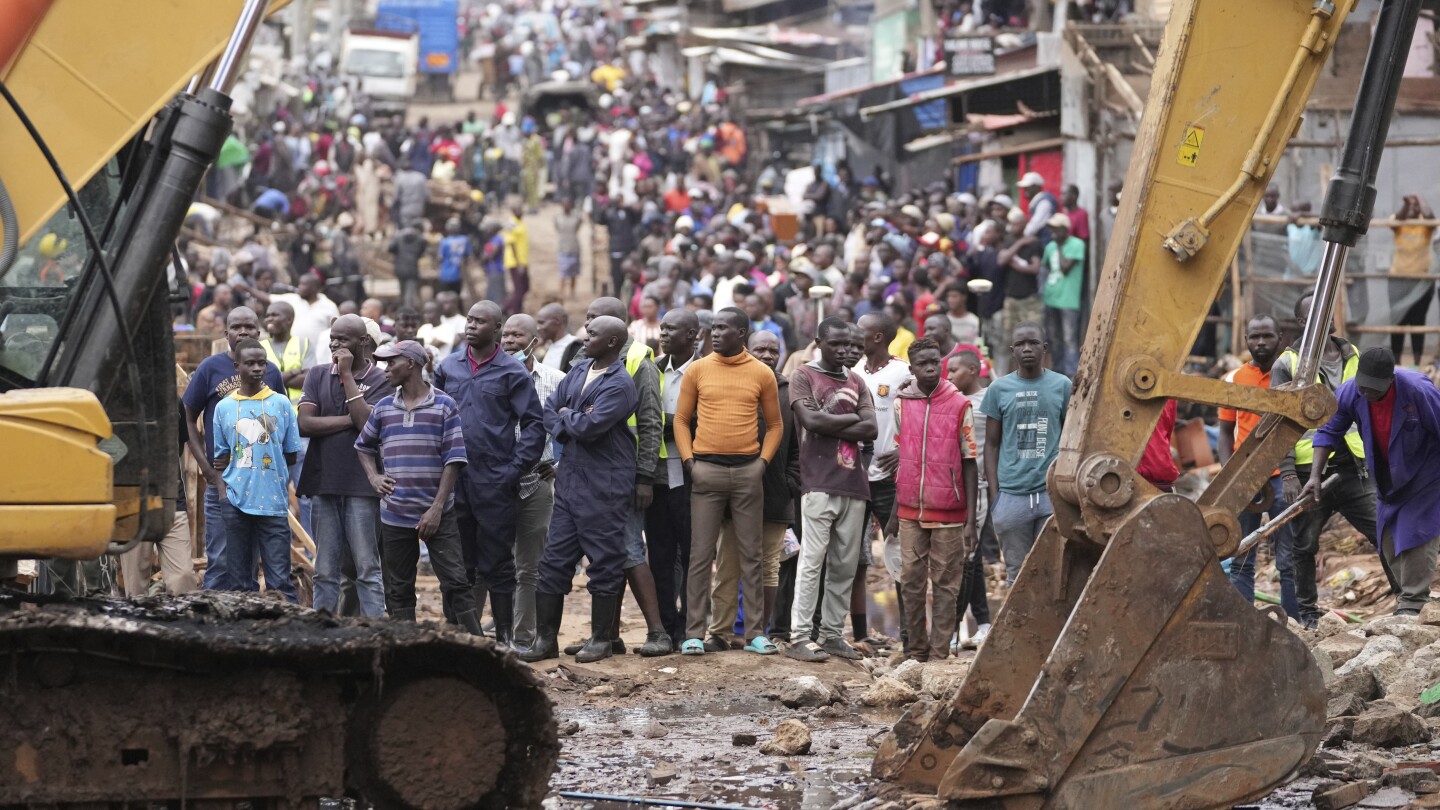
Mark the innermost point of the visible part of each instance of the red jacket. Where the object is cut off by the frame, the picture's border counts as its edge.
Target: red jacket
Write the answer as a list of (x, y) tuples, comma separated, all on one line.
[(930, 485)]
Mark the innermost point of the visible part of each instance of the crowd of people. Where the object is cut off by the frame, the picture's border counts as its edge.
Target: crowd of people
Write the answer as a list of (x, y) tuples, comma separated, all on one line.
[(736, 426)]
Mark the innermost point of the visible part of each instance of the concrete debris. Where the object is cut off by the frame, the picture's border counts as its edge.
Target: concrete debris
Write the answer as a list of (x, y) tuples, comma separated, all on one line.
[(1387, 798), (1345, 706), (1430, 614), (1358, 682), (940, 678), (806, 691), (1365, 765), (1338, 731), (1415, 780), (1341, 647), (569, 728), (1382, 657), (662, 774), (1336, 796), (887, 691), (1387, 726), (743, 739), (654, 730), (791, 738), (909, 673), (1406, 629)]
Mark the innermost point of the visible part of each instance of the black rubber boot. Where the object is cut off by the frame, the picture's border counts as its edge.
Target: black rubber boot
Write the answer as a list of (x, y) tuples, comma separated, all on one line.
[(502, 607), (403, 614), (602, 624), (469, 621), (548, 611)]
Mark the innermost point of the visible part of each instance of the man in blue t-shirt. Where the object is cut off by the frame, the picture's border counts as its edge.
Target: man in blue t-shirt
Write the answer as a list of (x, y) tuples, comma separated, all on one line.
[(454, 250), (1024, 414), (256, 440), (217, 377)]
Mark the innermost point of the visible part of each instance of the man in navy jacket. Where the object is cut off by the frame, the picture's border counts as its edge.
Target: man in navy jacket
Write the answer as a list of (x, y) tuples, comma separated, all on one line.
[(495, 396), (587, 415)]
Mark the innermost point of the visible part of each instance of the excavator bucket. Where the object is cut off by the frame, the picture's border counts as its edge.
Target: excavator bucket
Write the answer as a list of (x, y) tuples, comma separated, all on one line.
[(1162, 688)]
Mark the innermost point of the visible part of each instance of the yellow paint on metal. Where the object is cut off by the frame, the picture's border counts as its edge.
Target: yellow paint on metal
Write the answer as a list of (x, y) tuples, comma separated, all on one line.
[(92, 74), (73, 531), (1190, 148)]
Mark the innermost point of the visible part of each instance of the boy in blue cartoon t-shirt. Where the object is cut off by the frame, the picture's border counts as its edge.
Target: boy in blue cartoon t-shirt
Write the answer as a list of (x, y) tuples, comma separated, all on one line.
[(256, 440)]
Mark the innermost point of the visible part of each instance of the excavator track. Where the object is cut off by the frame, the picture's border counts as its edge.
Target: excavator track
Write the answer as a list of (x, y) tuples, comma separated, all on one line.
[(224, 697)]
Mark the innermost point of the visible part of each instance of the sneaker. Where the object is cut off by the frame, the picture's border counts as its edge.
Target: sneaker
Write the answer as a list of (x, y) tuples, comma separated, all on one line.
[(981, 633), (808, 652), (838, 648)]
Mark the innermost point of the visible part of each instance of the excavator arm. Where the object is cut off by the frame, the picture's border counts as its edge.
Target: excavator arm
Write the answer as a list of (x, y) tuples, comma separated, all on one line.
[(86, 347), (1124, 669)]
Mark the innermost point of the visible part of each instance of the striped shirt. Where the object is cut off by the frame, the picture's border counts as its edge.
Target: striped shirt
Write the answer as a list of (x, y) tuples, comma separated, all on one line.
[(414, 446), (546, 380)]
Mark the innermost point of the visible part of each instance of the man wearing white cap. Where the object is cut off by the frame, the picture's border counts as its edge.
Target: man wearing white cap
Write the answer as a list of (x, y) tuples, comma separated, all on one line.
[(1042, 205), (1064, 264)]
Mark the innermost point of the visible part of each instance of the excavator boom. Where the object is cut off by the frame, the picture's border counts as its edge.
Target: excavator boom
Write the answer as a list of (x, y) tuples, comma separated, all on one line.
[(1124, 669)]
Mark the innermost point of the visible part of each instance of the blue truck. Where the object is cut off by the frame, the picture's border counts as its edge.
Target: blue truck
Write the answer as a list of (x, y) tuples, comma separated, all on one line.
[(436, 21)]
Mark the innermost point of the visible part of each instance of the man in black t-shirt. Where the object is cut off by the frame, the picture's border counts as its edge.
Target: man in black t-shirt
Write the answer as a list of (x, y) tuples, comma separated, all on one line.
[(345, 509)]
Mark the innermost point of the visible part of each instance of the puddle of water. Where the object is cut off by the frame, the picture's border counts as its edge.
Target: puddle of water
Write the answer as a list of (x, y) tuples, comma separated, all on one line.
[(637, 717)]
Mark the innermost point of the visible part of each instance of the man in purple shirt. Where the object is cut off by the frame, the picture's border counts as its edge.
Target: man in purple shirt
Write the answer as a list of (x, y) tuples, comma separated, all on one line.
[(1398, 412)]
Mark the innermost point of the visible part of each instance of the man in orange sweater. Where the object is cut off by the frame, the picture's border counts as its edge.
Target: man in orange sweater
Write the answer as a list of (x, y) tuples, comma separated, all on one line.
[(725, 461)]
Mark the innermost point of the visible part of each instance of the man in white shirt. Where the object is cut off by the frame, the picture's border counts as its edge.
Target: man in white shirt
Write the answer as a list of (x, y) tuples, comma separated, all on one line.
[(314, 311), (442, 335), (883, 374), (554, 323)]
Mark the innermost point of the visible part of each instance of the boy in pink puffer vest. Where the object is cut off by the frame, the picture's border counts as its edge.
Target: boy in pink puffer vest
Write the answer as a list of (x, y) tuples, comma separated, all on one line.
[(935, 485)]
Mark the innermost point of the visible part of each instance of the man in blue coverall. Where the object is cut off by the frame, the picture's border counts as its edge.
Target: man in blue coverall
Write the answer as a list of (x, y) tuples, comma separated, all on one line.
[(587, 415), (495, 395)]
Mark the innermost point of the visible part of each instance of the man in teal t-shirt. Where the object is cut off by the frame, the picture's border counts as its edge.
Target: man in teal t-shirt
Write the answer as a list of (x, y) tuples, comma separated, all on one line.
[(1064, 264), (256, 440), (1024, 413)]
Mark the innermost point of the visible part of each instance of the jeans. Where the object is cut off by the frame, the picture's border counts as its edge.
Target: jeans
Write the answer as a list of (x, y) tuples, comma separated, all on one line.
[(1242, 569), (531, 526), (353, 522), (302, 502), (218, 576), (667, 539), (269, 535), (1018, 520), (833, 528), (1062, 326), (1353, 496), (402, 553)]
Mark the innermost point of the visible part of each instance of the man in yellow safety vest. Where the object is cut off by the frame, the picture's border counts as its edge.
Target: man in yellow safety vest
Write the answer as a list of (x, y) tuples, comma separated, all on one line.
[(1352, 495)]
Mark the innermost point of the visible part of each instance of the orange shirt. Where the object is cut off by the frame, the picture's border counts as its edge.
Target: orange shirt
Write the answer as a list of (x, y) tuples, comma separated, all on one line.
[(1248, 374)]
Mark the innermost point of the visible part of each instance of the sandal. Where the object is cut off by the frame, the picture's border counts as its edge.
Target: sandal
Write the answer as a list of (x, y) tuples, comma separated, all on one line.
[(761, 646), (809, 652), (692, 646)]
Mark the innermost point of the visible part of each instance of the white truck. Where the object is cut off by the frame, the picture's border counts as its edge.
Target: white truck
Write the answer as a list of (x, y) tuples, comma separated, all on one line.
[(381, 65)]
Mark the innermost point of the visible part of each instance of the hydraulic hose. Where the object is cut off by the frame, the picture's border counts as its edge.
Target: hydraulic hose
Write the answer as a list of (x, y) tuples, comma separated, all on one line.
[(10, 224)]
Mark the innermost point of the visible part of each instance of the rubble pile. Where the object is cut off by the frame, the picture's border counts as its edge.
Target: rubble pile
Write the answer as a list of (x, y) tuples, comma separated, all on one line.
[(1382, 734)]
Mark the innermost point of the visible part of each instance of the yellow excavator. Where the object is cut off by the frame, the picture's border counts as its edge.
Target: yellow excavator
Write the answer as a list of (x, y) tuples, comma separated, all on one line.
[(1124, 671), (112, 112)]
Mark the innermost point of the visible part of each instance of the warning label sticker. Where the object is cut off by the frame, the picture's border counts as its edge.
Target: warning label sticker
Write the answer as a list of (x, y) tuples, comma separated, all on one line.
[(1190, 148)]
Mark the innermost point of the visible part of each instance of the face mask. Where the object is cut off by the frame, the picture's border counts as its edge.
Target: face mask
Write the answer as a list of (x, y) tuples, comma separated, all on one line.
[(523, 354)]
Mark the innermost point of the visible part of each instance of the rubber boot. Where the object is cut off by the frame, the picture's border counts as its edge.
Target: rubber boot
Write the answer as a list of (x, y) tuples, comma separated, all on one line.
[(502, 607), (403, 614), (549, 609), (469, 621), (602, 619)]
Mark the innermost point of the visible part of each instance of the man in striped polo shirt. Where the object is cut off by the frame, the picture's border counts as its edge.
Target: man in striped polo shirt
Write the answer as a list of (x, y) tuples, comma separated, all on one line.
[(416, 434)]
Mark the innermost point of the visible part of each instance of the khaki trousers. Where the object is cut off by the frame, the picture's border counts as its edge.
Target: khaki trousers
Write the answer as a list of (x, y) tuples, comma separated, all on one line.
[(934, 558), (176, 564), (725, 596), (714, 488)]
